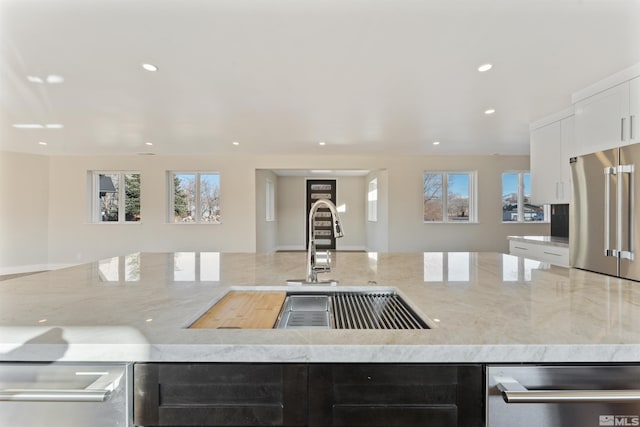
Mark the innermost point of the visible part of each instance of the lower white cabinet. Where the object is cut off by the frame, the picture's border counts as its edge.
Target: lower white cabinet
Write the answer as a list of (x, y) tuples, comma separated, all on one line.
[(557, 255)]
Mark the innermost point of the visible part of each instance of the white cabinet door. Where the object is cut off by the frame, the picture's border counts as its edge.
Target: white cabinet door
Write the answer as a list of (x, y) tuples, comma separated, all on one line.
[(568, 150), (600, 120), (545, 165), (634, 111)]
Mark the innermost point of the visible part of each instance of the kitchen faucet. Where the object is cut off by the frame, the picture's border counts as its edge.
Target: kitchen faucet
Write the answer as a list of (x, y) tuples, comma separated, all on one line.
[(313, 266)]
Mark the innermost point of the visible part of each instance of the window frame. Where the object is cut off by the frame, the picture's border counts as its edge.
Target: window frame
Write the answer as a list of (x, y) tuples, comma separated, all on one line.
[(171, 196), (95, 215), (473, 186), (520, 199)]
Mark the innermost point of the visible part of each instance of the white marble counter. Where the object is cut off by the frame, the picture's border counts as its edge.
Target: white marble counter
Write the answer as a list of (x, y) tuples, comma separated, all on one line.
[(487, 307), (562, 242)]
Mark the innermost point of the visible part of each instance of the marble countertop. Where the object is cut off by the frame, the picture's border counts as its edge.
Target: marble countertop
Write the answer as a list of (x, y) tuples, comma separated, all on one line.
[(486, 307), (543, 240)]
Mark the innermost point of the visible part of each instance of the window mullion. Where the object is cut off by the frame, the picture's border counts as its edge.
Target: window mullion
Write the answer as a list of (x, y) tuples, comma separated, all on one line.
[(197, 197), (520, 197), (121, 194), (445, 197)]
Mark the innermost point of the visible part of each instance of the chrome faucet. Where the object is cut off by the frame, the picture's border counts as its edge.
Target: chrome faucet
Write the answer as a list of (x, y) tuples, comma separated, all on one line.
[(314, 265)]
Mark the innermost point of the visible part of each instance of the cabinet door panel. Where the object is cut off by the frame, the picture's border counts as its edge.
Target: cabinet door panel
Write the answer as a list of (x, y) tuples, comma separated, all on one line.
[(599, 120), (545, 160), (395, 416), (395, 395), (634, 110), (210, 394)]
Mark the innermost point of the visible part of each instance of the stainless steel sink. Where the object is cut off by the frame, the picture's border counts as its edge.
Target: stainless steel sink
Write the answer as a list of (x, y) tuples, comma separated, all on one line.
[(348, 310)]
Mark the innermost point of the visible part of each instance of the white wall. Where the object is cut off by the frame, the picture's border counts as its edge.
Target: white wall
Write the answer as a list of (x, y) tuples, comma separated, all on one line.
[(266, 231), (24, 212), (71, 239), (408, 232), (292, 217), (378, 231)]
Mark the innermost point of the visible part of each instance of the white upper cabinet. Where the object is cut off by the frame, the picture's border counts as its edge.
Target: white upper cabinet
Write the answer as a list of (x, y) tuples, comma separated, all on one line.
[(600, 119), (634, 110), (552, 144), (567, 151), (606, 113)]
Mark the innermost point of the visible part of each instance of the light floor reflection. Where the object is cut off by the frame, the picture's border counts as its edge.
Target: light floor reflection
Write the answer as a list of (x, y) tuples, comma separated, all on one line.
[(196, 267), (447, 267), (120, 269), (515, 268)]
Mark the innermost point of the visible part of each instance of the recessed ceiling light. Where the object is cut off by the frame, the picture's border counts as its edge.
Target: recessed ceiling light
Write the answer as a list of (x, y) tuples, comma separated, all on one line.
[(35, 79), (485, 67), (54, 79), (149, 67), (54, 126), (489, 111), (235, 143), (42, 143), (28, 126), (322, 143), (436, 142), (148, 143)]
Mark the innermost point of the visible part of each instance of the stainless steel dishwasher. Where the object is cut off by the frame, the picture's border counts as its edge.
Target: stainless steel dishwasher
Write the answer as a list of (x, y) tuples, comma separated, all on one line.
[(69, 395), (563, 396)]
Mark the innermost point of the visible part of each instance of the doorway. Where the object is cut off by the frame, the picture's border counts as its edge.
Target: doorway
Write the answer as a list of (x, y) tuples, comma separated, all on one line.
[(321, 189)]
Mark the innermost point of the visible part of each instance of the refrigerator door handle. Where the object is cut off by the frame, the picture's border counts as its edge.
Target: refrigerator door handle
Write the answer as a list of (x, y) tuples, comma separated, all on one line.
[(626, 249), (608, 251)]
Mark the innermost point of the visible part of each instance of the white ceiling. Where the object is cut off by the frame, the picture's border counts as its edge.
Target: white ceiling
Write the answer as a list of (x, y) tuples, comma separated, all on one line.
[(278, 76)]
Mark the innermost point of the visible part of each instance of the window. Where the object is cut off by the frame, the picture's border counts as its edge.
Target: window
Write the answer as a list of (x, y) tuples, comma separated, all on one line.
[(115, 197), (516, 196), (194, 197), (449, 197), (372, 200), (270, 201)]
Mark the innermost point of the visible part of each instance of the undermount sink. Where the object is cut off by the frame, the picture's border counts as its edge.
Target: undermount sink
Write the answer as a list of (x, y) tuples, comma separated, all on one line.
[(348, 310), (319, 307)]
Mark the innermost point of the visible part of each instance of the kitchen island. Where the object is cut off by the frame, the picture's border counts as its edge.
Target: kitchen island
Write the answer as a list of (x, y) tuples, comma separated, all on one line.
[(484, 308)]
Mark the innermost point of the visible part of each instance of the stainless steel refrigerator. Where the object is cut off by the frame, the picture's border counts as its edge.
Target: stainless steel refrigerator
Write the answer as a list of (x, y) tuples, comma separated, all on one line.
[(603, 215)]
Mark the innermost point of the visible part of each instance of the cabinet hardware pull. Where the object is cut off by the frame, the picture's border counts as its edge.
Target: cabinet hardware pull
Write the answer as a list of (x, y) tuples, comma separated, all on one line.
[(520, 247), (622, 129), (631, 126), (551, 253), (49, 395), (514, 392)]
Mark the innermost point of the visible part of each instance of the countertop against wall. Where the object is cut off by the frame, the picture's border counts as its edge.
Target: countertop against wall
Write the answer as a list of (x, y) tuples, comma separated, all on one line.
[(485, 307)]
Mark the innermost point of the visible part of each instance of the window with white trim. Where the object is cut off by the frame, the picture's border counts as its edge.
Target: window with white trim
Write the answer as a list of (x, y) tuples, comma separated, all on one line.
[(115, 196), (516, 199), (194, 197), (372, 200), (449, 197)]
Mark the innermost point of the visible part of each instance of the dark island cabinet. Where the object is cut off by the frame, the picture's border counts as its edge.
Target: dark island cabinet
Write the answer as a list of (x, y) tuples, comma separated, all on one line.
[(313, 395), (375, 395), (211, 394)]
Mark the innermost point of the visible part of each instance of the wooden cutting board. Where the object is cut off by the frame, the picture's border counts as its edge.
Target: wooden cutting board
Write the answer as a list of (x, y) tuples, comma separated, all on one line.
[(243, 310)]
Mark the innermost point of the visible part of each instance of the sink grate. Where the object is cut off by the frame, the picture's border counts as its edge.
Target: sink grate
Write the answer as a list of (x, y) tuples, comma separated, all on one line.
[(353, 310)]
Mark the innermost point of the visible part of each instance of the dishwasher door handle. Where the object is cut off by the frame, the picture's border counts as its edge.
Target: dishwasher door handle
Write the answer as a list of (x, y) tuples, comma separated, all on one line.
[(52, 395), (99, 390), (514, 392)]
